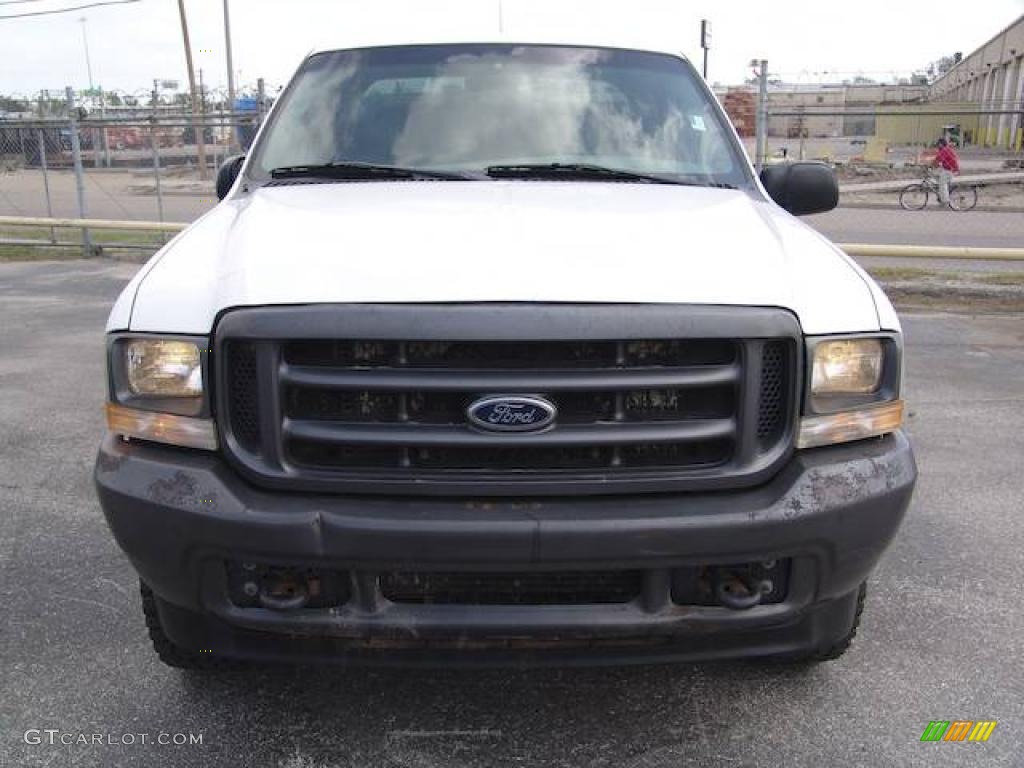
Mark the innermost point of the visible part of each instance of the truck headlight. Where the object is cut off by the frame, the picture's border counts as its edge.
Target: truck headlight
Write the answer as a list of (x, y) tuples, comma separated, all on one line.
[(164, 368), (157, 389), (846, 366), (853, 389)]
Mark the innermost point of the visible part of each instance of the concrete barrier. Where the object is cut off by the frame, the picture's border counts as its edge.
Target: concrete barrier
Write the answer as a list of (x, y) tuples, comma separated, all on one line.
[(139, 226), (967, 253)]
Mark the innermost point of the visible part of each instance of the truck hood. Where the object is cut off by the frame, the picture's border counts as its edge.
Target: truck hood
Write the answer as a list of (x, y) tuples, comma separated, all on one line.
[(500, 241)]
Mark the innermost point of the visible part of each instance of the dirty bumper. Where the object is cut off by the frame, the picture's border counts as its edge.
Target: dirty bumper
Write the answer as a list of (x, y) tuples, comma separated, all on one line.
[(185, 520)]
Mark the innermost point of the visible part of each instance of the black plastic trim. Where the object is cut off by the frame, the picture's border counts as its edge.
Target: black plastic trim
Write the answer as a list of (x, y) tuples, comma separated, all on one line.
[(427, 380), (151, 498), (506, 322), (267, 326), (423, 435)]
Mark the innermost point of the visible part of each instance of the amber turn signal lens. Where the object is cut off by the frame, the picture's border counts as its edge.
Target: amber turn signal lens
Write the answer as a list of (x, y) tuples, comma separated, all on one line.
[(162, 427), (850, 425)]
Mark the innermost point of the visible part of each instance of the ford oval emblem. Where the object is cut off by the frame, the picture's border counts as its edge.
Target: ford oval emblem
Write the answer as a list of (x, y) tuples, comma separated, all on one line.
[(511, 413)]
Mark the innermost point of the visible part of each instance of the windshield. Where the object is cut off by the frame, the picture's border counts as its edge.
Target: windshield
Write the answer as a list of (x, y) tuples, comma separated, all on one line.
[(467, 108)]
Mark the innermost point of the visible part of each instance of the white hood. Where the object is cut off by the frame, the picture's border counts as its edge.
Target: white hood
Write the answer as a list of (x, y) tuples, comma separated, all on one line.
[(497, 241)]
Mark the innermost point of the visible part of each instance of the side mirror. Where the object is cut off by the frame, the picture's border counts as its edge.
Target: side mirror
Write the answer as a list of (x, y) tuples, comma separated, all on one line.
[(227, 174), (802, 188)]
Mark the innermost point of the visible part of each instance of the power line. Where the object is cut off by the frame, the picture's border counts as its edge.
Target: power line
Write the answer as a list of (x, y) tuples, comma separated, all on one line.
[(64, 10)]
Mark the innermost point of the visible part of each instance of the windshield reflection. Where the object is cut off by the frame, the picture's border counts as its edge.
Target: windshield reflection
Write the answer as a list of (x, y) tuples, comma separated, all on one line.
[(470, 107)]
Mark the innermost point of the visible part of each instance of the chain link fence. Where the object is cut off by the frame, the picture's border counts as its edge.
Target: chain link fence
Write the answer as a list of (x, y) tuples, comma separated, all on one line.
[(155, 162)]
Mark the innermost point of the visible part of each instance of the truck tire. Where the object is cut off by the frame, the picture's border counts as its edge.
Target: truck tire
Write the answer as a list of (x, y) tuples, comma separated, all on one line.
[(169, 653), (835, 649)]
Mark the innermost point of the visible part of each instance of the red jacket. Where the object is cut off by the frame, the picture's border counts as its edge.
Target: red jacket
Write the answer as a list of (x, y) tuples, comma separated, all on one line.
[(946, 157)]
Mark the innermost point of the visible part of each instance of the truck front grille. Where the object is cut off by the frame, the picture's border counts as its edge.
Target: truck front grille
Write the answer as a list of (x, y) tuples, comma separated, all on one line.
[(390, 414)]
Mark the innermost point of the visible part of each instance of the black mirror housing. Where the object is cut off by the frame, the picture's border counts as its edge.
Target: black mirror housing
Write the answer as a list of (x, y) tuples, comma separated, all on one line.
[(227, 174), (802, 188)]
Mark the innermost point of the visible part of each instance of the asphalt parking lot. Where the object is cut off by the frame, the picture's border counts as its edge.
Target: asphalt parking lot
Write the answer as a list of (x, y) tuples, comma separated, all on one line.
[(942, 639)]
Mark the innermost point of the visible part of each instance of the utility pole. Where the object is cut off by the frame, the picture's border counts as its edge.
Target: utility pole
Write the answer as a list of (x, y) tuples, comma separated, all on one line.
[(85, 42), (76, 158), (231, 63), (705, 42), (761, 143), (200, 139)]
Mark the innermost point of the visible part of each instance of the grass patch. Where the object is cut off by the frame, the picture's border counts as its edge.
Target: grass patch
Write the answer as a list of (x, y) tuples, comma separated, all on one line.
[(899, 273), (916, 273), (30, 253), (1001, 278), (72, 235)]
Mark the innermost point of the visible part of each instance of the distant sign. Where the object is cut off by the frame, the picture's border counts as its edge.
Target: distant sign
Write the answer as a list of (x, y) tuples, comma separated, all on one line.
[(169, 85), (705, 34)]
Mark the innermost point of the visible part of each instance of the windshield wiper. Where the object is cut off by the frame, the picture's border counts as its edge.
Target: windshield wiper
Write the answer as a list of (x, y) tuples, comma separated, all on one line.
[(587, 171), (357, 171)]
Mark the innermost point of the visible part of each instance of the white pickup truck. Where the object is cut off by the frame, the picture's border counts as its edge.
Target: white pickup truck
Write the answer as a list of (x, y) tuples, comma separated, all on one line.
[(499, 352)]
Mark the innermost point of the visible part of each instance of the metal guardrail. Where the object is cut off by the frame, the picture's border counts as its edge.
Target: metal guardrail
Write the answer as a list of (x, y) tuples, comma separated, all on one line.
[(967, 253)]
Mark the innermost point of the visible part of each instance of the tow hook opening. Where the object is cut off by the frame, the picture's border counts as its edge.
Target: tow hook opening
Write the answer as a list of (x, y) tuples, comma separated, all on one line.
[(740, 591), (284, 588), (737, 586), (284, 591)]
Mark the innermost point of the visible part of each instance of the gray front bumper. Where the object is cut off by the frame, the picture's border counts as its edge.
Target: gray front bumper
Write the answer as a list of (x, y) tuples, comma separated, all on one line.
[(179, 514)]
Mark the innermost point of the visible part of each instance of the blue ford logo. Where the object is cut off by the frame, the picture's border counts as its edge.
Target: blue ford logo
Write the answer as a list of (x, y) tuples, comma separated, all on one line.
[(511, 413)]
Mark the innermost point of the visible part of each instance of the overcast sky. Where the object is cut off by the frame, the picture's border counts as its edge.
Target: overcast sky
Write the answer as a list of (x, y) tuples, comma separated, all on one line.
[(132, 44)]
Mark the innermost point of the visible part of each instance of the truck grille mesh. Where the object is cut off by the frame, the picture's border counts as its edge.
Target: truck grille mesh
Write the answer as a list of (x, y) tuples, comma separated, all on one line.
[(244, 403), (775, 386)]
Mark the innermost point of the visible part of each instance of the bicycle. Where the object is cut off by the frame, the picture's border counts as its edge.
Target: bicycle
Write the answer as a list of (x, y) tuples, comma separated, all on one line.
[(914, 197)]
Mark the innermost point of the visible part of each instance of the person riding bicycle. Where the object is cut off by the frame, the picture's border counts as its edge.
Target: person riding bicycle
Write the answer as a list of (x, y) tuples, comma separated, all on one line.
[(948, 163)]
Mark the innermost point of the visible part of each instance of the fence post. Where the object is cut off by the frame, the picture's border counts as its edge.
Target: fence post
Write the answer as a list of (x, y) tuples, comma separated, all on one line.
[(761, 141), (76, 156), (104, 141), (46, 181), (156, 165)]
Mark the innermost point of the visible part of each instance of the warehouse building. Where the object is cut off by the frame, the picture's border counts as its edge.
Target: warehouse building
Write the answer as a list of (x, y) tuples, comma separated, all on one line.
[(991, 78), (815, 110)]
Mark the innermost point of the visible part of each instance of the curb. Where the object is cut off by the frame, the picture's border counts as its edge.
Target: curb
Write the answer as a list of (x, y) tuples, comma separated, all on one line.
[(896, 207)]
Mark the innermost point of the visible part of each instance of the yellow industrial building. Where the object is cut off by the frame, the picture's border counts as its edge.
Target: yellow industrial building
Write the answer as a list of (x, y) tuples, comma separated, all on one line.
[(990, 78)]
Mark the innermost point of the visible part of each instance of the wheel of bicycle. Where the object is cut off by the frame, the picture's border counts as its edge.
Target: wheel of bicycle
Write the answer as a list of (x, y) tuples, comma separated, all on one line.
[(963, 198), (914, 197)]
